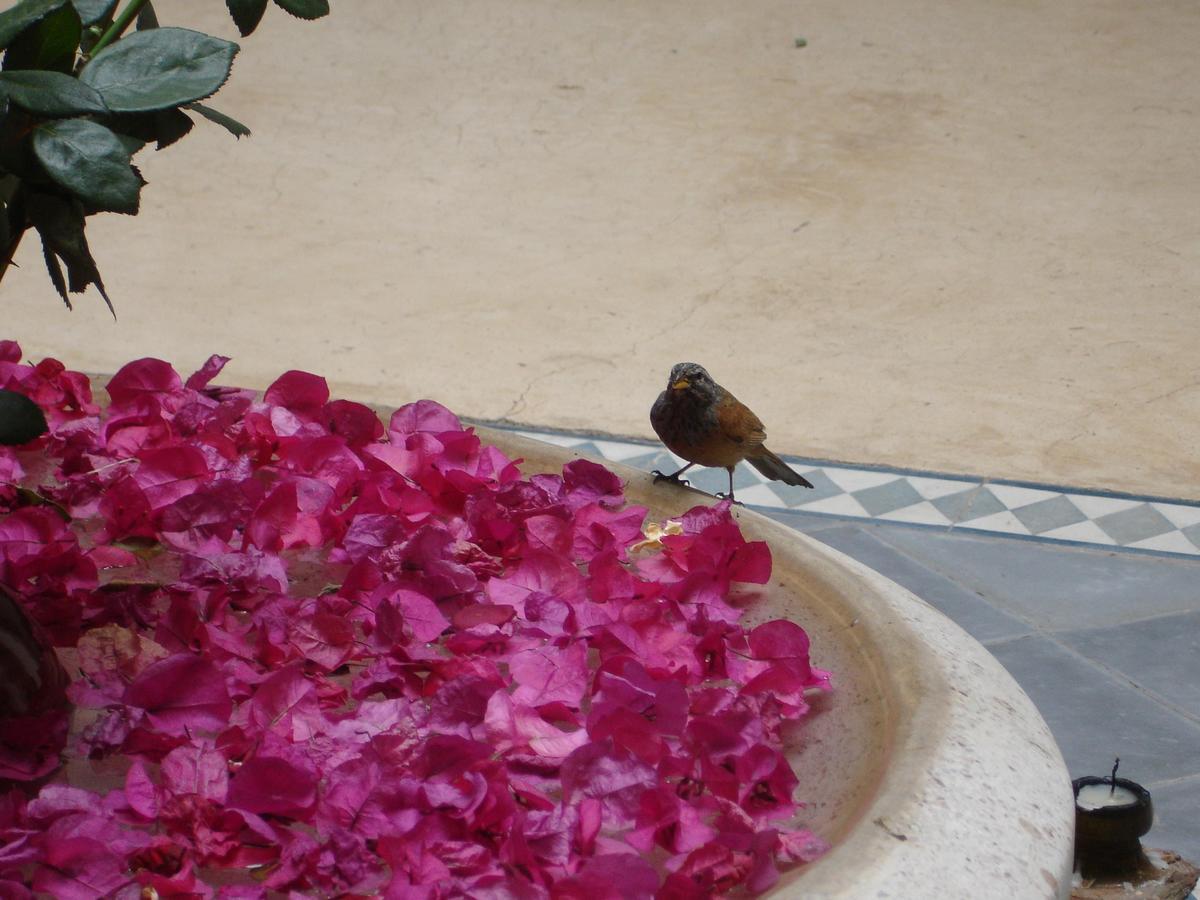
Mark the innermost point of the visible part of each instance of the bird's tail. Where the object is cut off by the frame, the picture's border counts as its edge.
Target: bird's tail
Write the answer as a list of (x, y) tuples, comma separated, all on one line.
[(776, 469)]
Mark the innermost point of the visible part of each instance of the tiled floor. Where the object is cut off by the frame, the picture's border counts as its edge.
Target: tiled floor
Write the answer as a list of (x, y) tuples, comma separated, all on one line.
[(941, 502), (1091, 601)]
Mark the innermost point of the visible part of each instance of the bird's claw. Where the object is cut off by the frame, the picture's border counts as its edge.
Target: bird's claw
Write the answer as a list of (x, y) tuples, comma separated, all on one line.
[(721, 495), (674, 479)]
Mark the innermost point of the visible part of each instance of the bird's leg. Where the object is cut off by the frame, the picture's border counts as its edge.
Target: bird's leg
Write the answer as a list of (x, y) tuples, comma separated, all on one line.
[(673, 477), (729, 496)]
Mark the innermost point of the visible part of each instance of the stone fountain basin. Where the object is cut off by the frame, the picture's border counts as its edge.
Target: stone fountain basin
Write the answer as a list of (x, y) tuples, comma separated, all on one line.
[(927, 767)]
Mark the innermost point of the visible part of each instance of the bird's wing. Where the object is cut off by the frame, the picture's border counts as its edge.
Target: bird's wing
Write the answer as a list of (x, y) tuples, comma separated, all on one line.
[(739, 424)]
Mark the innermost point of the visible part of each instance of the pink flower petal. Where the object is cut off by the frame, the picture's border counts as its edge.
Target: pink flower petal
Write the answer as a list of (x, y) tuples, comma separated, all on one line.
[(181, 694), (356, 423), (286, 703), (197, 768), (609, 877), (300, 392), (167, 473), (421, 615), (523, 706), (140, 791), (588, 482), (424, 415), (549, 673), (143, 377), (212, 367), (276, 785)]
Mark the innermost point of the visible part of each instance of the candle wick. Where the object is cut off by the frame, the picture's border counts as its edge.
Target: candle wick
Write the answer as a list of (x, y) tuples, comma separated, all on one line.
[(1113, 778)]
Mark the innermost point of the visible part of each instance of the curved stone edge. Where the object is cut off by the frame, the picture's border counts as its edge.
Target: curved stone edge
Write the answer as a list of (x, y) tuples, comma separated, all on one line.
[(975, 799)]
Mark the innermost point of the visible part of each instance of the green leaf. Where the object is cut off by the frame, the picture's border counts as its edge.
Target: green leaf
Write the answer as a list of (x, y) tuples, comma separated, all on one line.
[(131, 143), (54, 270), (50, 93), (50, 44), (304, 9), (159, 69), (147, 18), (8, 188), (28, 12), (93, 11), (16, 156), (6, 235), (14, 219), (59, 221), (21, 420), (230, 124), (89, 161), (135, 130), (169, 126), (246, 14)]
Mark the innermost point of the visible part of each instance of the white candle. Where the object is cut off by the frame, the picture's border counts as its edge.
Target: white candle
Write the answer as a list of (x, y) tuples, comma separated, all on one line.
[(1098, 796)]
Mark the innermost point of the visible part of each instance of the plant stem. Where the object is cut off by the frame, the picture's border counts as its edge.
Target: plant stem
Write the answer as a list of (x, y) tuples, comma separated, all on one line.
[(117, 28)]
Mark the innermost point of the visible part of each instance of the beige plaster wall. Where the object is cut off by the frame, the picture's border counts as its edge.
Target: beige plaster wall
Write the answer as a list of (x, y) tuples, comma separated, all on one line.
[(955, 236)]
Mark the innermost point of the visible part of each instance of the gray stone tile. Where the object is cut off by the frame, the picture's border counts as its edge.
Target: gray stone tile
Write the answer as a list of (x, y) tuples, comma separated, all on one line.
[(884, 498), (587, 448), (1095, 717), (704, 479), (1192, 533), (809, 523), (967, 609), (822, 487), (1135, 524), (1093, 714), (655, 459), (661, 460), (1054, 586), (714, 480), (1176, 817), (1160, 655), (794, 495), (744, 476), (1054, 512), (972, 503)]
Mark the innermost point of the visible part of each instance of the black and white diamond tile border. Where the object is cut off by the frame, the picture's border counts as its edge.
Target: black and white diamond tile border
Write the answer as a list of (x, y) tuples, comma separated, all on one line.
[(1023, 510)]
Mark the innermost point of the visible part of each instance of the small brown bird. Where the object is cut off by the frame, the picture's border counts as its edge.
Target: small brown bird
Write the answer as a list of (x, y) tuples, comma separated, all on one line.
[(706, 425)]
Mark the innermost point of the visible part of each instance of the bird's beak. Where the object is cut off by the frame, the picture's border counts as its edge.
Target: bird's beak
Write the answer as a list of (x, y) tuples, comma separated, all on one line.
[(679, 385)]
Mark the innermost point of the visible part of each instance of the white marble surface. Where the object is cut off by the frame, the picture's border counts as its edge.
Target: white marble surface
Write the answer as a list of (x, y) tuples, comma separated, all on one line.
[(930, 770), (976, 783)]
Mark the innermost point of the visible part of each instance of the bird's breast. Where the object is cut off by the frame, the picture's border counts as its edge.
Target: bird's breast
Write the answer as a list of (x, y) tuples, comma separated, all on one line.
[(692, 431)]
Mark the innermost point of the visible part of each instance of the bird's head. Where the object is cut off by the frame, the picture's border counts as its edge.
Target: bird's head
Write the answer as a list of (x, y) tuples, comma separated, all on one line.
[(692, 378)]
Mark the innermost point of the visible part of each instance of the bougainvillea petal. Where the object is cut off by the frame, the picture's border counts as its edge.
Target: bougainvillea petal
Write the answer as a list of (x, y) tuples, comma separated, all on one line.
[(549, 673), (369, 660), (167, 473), (424, 415), (182, 693), (609, 877), (212, 367), (356, 423), (79, 868), (283, 787), (140, 792), (421, 616), (286, 704), (300, 392), (198, 769), (143, 377)]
